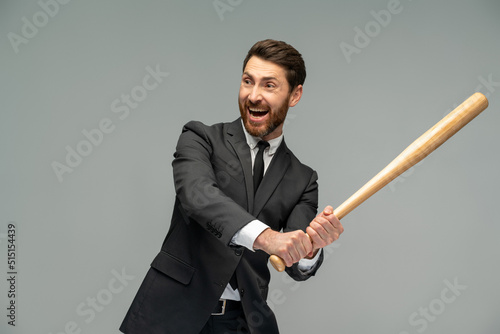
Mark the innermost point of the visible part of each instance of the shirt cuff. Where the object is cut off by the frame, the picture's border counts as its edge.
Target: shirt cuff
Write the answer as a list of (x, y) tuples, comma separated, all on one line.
[(306, 265), (247, 234)]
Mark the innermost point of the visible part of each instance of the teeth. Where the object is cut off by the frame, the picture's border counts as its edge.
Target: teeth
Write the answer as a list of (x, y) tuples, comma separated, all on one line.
[(257, 110)]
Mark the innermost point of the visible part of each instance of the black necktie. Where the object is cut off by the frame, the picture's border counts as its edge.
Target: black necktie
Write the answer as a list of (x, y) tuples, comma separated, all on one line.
[(258, 165), (233, 282), (258, 174)]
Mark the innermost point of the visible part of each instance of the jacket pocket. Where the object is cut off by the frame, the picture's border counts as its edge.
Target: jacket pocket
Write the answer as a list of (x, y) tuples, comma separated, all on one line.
[(173, 267)]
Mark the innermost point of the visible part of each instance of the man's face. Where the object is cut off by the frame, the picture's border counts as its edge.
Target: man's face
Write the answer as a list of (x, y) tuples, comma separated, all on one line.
[(265, 97)]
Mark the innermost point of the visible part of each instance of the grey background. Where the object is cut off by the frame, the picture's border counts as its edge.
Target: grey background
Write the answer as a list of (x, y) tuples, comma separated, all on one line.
[(437, 223)]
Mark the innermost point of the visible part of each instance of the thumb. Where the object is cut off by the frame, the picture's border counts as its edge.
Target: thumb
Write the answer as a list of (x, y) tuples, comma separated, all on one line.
[(328, 210)]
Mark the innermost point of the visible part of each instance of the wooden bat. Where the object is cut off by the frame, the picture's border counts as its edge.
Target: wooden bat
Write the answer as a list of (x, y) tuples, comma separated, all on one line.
[(414, 153)]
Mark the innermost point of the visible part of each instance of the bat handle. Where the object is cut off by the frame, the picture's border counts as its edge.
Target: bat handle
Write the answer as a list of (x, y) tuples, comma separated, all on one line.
[(277, 262)]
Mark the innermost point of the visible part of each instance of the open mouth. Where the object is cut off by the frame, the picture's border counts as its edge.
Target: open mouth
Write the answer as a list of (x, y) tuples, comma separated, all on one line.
[(257, 113)]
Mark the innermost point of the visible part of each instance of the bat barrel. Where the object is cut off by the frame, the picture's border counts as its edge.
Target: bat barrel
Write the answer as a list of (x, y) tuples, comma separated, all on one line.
[(418, 150)]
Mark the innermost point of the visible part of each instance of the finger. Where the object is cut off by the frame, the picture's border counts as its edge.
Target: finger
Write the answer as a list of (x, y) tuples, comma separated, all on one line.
[(302, 246), (336, 223), (325, 230), (307, 244), (294, 252), (299, 247), (329, 214), (290, 262), (317, 238), (323, 226), (340, 228), (328, 210), (286, 256), (333, 221)]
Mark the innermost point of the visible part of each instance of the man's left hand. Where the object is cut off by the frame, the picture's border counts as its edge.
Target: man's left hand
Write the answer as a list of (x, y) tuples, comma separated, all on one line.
[(323, 230)]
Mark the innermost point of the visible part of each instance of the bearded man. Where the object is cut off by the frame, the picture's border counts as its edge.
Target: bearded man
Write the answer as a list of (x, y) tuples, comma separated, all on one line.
[(241, 195)]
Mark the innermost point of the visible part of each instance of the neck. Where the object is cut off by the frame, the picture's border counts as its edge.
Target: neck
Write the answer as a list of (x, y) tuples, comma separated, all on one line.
[(275, 134)]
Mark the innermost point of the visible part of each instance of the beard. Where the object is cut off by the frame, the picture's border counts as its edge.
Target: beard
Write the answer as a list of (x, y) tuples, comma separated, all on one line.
[(275, 119)]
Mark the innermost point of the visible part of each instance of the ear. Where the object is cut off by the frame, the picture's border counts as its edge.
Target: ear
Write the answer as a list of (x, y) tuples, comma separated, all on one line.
[(295, 96)]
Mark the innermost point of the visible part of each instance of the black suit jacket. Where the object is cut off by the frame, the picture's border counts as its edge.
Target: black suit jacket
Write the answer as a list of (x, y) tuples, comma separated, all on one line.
[(214, 187)]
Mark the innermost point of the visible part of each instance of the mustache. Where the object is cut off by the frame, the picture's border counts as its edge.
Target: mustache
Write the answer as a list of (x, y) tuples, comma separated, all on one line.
[(256, 105)]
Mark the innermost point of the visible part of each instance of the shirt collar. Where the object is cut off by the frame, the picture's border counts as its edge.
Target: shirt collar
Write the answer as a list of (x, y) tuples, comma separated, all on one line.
[(252, 141)]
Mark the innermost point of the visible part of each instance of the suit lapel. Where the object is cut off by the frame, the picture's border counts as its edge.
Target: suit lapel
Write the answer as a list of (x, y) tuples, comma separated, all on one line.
[(237, 140), (274, 174)]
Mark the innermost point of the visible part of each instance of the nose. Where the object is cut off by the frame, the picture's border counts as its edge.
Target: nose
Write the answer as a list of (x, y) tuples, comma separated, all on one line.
[(255, 95)]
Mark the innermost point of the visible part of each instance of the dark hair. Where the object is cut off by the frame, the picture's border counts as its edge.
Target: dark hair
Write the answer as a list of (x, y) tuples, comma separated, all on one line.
[(282, 54)]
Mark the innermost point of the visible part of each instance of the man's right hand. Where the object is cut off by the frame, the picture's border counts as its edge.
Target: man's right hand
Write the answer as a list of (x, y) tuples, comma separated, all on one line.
[(290, 246)]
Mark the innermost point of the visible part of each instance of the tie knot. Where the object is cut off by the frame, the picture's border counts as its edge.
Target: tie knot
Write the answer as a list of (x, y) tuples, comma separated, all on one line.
[(262, 145)]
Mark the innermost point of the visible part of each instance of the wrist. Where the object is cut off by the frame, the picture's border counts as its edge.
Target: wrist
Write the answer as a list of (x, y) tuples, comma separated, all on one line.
[(260, 242)]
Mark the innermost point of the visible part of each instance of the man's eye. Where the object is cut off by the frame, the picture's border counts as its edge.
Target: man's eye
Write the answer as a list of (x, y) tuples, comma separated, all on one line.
[(247, 81), (269, 85)]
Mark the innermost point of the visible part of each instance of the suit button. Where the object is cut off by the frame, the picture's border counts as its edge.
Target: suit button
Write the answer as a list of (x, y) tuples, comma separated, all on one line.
[(238, 252), (242, 292)]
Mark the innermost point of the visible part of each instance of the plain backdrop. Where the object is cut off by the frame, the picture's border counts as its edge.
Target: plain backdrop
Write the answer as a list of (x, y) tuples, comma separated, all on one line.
[(420, 256)]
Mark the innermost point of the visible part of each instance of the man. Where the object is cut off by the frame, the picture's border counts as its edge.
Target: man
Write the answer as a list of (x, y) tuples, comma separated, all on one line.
[(237, 186)]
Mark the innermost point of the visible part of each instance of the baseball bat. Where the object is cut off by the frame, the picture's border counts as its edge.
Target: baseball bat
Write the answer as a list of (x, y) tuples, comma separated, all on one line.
[(414, 153)]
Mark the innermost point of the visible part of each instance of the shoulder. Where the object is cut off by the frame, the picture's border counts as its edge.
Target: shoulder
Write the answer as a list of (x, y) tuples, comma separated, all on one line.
[(297, 165), (210, 131), (201, 128)]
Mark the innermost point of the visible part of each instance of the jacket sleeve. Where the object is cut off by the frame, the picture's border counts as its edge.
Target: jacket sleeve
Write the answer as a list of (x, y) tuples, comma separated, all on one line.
[(197, 189), (302, 214)]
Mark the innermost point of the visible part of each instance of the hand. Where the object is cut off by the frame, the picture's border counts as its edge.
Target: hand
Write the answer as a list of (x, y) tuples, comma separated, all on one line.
[(324, 229), (290, 246)]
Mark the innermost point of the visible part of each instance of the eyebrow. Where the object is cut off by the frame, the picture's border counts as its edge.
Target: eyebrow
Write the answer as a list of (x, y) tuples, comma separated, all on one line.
[(264, 78)]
